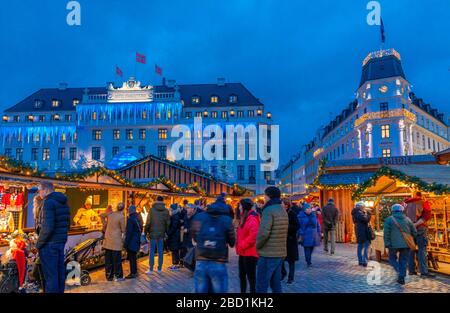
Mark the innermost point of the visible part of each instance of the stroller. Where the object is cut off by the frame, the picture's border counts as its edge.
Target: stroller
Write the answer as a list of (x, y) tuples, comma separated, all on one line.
[(89, 255)]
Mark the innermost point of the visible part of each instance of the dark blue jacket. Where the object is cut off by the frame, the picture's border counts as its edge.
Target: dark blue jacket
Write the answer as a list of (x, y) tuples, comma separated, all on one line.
[(361, 219), (55, 220), (309, 229), (174, 234), (213, 231), (133, 233)]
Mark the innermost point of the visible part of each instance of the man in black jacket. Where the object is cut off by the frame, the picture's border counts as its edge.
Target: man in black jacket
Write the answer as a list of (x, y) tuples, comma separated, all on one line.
[(330, 215), (55, 223), (212, 232)]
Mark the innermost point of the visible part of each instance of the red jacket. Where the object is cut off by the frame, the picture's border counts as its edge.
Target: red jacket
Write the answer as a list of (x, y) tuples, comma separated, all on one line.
[(246, 235), (418, 209)]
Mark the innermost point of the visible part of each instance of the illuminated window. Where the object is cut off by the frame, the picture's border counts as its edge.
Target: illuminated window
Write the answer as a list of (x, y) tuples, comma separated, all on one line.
[(67, 117), (169, 114), (158, 115), (95, 153), (397, 82), (240, 113), (63, 137), (144, 115), (214, 99), (368, 86), (75, 102), (195, 100), (45, 154), (233, 99), (198, 114), (96, 134), (129, 134), (61, 154), (94, 116), (142, 134), (385, 131), (367, 136), (56, 117), (224, 114), (55, 103), (116, 134), (162, 133), (383, 89), (37, 104), (214, 114), (30, 118), (386, 153), (36, 137)]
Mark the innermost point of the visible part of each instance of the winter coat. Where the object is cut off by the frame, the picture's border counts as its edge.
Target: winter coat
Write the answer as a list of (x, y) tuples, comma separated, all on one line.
[(133, 233), (272, 233), (292, 243), (213, 231), (246, 235), (157, 221), (115, 230), (393, 238), (361, 219), (187, 237), (418, 209), (174, 232), (309, 229), (54, 220), (330, 216)]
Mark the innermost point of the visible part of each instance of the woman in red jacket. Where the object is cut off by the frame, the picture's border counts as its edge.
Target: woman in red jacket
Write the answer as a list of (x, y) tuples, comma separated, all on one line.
[(246, 244)]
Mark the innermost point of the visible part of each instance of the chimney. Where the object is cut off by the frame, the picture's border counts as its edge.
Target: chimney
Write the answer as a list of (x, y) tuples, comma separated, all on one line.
[(63, 86), (171, 83), (220, 81)]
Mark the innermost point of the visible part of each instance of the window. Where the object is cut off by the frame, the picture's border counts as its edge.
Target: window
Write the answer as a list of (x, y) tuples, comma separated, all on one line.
[(267, 176), (75, 102), (213, 170), (56, 117), (214, 99), (8, 152), (385, 131), (144, 115), (252, 173), (55, 103), (94, 116), (158, 115), (116, 134), (141, 150), (233, 99), (366, 136), (142, 133), (61, 154), (115, 150), (96, 134), (162, 152), (37, 104), (250, 113), (41, 118), (188, 114), (240, 113), (34, 154), (386, 153), (67, 117), (63, 137), (429, 143), (214, 114), (198, 114), (418, 138), (195, 100), (353, 143), (36, 137), (423, 142), (45, 154), (224, 114), (96, 153), (162, 133), (16, 118), (129, 134), (384, 106), (73, 153), (241, 172)]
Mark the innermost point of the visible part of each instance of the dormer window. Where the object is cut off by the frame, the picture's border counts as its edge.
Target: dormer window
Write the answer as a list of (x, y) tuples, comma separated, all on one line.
[(233, 99), (214, 99), (75, 102), (56, 117), (37, 104), (55, 103), (195, 100)]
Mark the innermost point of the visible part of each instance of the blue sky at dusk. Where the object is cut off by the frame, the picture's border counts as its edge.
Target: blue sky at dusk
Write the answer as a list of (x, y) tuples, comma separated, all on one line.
[(301, 58)]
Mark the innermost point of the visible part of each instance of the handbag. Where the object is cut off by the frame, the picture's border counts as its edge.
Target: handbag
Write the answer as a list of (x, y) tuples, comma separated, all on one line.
[(372, 235), (409, 239)]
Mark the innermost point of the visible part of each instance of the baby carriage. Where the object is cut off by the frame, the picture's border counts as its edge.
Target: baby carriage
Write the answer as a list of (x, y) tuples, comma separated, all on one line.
[(89, 255)]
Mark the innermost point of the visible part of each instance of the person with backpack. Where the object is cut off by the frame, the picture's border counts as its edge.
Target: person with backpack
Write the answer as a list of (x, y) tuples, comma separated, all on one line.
[(212, 233), (132, 242), (361, 218), (246, 244), (330, 216), (397, 228), (309, 232)]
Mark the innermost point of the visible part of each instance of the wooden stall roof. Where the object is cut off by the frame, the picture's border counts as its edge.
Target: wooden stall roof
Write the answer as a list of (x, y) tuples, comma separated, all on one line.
[(443, 157)]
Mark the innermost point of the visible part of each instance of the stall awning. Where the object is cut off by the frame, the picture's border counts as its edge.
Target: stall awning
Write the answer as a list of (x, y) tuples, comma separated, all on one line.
[(354, 178)]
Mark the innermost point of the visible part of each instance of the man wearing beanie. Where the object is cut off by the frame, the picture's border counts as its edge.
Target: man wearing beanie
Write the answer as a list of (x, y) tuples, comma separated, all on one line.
[(330, 216), (271, 242), (396, 227)]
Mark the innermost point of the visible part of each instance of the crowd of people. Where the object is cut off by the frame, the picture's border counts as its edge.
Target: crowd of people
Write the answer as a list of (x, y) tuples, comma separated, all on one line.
[(266, 235)]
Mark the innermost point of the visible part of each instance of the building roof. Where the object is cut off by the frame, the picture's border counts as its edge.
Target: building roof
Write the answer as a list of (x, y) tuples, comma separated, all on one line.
[(384, 67), (354, 178), (187, 92)]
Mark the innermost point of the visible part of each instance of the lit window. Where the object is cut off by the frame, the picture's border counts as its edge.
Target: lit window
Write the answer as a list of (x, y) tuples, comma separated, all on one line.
[(224, 114), (385, 131), (37, 104), (55, 103), (129, 134), (214, 99), (233, 99), (116, 134), (94, 116), (142, 134), (397, 82), (383, 89), (386, 153), (63, 137), (169, 114), (68, 117), (162, 133), (61, 154), (96, 134), (368, 86), (56, 117), (195, 100), (75, 102), (144, 115), (198, 114), (214, 114), (36, 137), (45, 154), (240, 113), (30, 118)]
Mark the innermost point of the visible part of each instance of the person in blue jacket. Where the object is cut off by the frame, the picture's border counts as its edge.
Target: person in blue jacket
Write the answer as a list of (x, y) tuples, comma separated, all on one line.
[(132, 241), (309, 232)]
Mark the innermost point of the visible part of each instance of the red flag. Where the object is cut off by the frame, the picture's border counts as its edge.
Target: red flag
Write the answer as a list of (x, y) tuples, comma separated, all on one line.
[(158, 70), (140, 58), (119, 71)]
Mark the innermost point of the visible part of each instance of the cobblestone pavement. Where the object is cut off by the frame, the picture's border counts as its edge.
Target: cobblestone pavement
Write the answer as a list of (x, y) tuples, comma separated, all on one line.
[(338, 273)]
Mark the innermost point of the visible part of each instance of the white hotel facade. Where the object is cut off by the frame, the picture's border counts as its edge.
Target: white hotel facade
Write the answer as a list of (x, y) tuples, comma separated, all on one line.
[(385, 120), (67, 129)]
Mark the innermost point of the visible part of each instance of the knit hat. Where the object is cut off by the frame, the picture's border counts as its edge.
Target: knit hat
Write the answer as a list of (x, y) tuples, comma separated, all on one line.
[(174, 206), (306, 206), (360, 204), (331, 200), (272, 192), (131, 209), (397, 208)]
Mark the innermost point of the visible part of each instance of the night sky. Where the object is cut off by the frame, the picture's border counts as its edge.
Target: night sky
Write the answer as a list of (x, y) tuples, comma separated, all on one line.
[(301, 58)]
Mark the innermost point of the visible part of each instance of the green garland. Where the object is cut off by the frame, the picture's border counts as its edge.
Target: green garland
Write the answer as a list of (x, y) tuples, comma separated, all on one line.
[(95, 171), (239, 191), (18, 167)]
